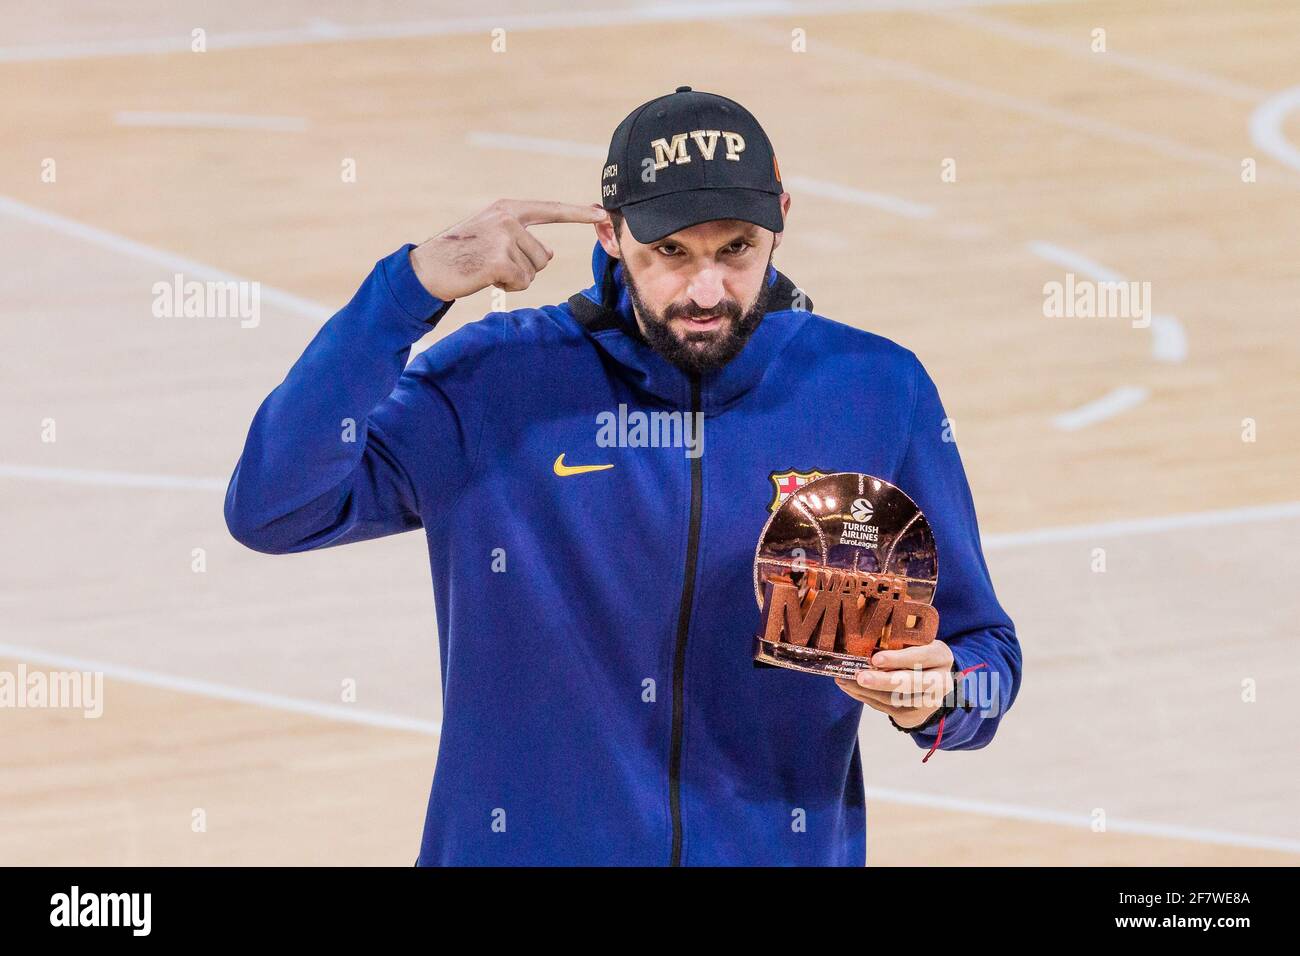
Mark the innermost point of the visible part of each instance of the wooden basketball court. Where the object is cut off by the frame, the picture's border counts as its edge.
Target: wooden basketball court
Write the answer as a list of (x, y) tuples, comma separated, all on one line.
[(946, 161)]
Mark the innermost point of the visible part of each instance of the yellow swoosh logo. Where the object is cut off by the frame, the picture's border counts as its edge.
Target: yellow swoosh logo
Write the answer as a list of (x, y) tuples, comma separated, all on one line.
[(564, 471)]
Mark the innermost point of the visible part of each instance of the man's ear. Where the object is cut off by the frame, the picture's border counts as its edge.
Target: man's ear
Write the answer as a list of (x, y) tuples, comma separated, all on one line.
[(785, 211), (605, 235)]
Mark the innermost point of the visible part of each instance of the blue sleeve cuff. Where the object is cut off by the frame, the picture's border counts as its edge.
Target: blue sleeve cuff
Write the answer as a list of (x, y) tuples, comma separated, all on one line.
[(955, 729), (925, 737), (411, 296)]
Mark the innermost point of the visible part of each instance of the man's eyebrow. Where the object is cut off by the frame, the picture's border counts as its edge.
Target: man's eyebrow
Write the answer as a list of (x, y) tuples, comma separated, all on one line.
[(746, 231)]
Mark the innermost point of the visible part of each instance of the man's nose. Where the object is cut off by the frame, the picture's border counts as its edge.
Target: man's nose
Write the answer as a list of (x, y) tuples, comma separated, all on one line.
[(706, 289)]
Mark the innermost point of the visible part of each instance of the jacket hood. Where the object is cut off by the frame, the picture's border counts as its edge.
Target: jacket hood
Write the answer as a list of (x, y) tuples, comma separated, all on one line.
[(604, 310)]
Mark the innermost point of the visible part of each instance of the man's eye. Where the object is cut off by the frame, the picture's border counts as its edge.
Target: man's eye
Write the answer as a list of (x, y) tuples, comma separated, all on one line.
[(668, 250), (737, 247)]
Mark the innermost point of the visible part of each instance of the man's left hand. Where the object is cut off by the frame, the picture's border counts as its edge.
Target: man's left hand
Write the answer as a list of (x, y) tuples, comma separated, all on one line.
[(908, 684)]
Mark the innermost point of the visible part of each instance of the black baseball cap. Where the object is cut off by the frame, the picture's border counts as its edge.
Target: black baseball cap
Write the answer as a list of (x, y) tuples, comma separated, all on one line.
[(691, 157)]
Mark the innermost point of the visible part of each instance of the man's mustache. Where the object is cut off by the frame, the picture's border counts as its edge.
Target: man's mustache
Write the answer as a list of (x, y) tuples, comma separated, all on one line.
[(729, 308)]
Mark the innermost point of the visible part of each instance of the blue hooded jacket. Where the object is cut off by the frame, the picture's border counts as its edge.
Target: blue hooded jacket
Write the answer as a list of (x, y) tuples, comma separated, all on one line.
[(600, 700)]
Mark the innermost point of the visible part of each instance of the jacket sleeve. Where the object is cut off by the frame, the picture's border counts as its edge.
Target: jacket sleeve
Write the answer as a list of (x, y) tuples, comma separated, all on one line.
[(971, 621), (354, 444)]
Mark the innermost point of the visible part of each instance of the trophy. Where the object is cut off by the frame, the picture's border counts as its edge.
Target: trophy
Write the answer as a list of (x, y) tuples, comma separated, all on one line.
[(845, 566)]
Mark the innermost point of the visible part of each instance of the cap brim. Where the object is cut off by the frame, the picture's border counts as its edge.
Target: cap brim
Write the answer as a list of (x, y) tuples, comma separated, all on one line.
[(652, 219)]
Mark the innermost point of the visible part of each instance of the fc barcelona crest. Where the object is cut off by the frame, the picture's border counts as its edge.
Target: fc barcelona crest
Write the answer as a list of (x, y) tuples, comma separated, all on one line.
[(788, 482)]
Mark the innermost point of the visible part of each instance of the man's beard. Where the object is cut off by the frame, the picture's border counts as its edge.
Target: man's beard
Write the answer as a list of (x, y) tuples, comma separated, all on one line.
[(700, 352)]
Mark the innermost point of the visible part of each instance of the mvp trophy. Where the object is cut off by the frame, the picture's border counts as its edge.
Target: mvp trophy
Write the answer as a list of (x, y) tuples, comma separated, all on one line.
[(846, 566)]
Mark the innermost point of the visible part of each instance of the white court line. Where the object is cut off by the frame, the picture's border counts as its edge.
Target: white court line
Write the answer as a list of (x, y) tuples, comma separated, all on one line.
[(154, 118), (1101, 129), (812, 187), (1083, 820), (173, 263), (317, 30), (1168, 342), (992, 542), (1004, 541), (1168, 338), (860, 197), (371, 718), (1113, 403), (110, 479), (1080, 47), (535, 144), (1073, 260), (327, 29), (1266, 127), (1250, 514), (202, 688)]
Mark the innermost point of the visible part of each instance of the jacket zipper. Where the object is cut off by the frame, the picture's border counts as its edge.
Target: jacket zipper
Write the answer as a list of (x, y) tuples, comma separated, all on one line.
[(683, 628)]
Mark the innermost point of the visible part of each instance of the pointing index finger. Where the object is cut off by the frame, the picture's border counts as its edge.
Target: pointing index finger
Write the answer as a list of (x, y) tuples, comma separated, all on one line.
[(530, 212)]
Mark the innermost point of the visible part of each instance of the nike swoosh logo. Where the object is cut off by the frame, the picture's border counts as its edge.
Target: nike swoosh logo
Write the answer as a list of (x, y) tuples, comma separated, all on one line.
[(564, 471)]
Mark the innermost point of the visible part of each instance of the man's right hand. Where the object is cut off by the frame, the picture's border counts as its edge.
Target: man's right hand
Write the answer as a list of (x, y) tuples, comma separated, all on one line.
[(493, 247)]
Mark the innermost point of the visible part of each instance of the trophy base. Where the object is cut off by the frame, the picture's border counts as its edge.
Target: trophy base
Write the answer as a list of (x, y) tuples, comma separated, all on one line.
[(810, 660)]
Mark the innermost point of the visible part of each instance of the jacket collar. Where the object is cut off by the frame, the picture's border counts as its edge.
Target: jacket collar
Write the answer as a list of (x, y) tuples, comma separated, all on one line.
[(604, 310)]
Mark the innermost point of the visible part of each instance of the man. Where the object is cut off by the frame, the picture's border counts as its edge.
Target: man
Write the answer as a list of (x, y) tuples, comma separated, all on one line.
[(595, 604)]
